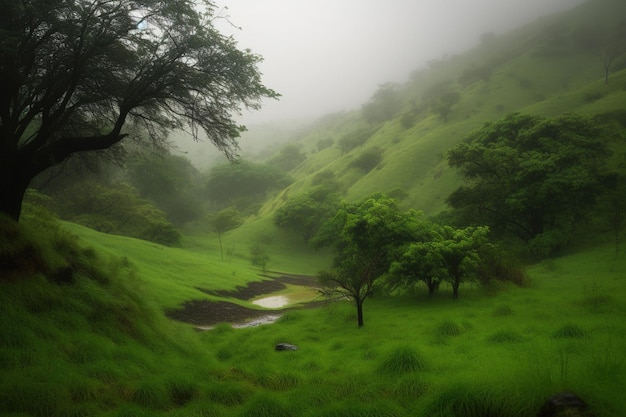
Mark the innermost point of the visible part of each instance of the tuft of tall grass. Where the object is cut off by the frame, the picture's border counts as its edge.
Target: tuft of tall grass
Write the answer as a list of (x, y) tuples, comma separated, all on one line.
[(265, 404), (408, 388), (470, 401), (279, 381), (355, 408), (152, 395), (503, 311), (505, 336), (228, 393), (181, 391), (199, 409), (447, 328), (402, 360), (569, 331)]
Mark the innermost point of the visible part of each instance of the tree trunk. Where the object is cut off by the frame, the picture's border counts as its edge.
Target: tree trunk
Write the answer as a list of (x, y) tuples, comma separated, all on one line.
[(219, 237), (359, 312), (14, 181), (455, 286)]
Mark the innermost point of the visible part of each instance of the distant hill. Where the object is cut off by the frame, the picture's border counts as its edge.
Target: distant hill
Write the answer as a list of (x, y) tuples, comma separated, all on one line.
[(551, 66)]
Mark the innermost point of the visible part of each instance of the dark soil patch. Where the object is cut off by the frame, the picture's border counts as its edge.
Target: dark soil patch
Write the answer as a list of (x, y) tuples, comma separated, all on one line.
[(208, 313)]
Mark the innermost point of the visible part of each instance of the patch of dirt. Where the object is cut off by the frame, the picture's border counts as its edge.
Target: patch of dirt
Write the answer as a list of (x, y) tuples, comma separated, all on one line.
[(205, 313), (268, 286)]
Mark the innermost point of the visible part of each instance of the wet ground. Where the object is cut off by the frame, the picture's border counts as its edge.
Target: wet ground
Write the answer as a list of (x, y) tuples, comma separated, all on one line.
[(205, 313)]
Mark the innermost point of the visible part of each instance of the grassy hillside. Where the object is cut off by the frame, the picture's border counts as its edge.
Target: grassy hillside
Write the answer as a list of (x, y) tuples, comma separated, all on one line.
[(84, 327), (545, 68), (101, 345)]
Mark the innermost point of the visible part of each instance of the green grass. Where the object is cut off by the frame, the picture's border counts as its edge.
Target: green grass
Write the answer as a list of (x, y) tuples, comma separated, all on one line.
[(103, 346)]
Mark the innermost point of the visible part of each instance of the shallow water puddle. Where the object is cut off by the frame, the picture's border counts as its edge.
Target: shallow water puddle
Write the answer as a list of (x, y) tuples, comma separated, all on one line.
[(274, 301)]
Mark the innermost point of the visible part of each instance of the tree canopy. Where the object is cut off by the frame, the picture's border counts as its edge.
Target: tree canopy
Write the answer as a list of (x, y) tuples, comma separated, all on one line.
[(367, 236), (83, 75), (243, 183), (531, 176)]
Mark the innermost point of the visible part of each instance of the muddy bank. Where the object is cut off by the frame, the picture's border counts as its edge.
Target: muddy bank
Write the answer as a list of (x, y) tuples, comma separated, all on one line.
[(206, 313)]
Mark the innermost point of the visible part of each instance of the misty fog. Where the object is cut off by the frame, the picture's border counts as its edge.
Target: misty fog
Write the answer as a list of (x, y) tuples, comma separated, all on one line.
[(329, 56)]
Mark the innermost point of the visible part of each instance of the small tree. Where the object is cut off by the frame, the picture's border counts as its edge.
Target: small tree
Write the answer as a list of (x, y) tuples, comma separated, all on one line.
[(419, 262), (223, 221), (458, 251), (447, 254), (367, 236), (531, 176)]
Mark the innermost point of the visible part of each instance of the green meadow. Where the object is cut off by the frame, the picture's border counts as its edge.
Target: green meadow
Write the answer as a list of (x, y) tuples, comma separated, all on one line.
[(85, 327), (102, 345)]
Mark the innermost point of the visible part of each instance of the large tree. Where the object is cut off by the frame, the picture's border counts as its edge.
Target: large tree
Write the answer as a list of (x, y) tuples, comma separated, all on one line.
[(531, 176), (82, 75), (367, 236)]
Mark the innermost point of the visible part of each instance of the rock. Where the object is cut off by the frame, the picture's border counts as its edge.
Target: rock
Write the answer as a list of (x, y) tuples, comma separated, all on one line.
[(286, 346), (564, 404)]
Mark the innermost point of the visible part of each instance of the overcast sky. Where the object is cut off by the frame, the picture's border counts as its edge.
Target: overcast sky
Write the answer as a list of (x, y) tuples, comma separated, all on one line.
[(325, 56)]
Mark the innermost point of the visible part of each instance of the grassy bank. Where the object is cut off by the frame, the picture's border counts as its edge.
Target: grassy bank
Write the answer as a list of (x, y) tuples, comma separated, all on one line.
[(101, 345)]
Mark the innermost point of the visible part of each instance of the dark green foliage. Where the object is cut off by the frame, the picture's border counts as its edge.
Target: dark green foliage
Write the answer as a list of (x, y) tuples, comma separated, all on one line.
[(354, 139), (106, 82), (496, 264), (402, 360), (242, 184), (115, 209), (368, 159), (367, 237), (288, 158), (442, 253), (305, 214), (171, 182), (532, 177)]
